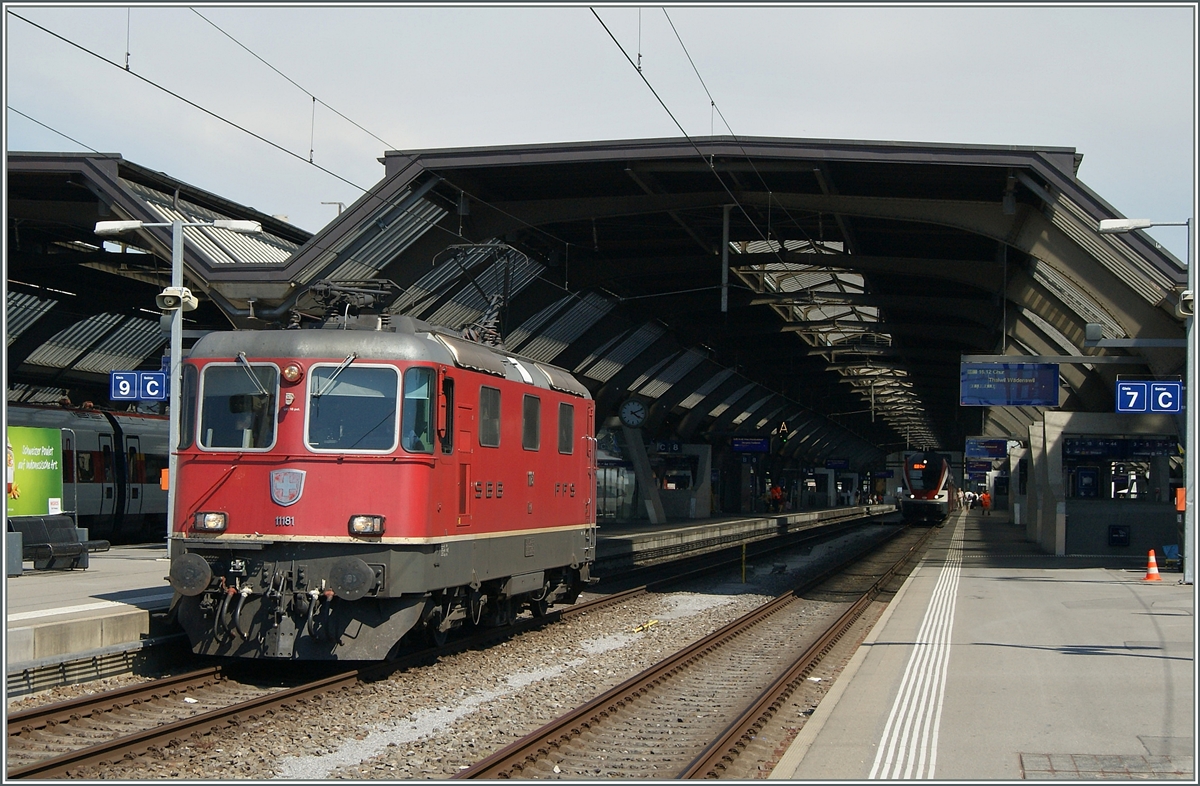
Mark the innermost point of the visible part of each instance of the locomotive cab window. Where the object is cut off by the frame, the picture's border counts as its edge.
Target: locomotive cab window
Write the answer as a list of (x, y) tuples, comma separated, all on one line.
[(489, 417), (531, 423), (418, 409), (352, 408), (187, 416), (237, 406), (566, 428)]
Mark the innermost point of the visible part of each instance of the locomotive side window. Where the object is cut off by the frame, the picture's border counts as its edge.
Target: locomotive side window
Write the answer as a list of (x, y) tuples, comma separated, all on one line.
[(446, 434), (531, 423), (237, 410), (187, 409), (418, 409), (566, 428), (489, 417), (352, 408)]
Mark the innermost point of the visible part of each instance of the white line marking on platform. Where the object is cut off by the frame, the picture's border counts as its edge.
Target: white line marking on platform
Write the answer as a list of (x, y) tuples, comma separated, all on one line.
[(103, 604), (908, 748)]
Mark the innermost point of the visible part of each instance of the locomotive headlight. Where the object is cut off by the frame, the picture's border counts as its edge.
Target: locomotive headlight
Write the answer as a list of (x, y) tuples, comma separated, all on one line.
[(366, 525), (293, 373), (210, 522)]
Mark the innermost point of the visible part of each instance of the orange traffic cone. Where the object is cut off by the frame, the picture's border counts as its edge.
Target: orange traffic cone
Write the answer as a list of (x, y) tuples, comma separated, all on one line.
[(1152, 569)]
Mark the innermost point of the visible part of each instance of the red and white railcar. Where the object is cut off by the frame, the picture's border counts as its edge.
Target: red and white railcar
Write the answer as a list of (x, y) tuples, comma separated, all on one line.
[(930, 494), (341, 488)]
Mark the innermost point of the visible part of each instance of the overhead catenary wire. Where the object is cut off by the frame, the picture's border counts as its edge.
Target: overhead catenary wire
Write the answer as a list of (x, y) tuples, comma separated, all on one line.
[(678, 125), (365, 191), (11, 108), (280, 147)]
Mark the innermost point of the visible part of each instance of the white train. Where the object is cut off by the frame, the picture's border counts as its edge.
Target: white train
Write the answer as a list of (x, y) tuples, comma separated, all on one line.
[(112, 466)]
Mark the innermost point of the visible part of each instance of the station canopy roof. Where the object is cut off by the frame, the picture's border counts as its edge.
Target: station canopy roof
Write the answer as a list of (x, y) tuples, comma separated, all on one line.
[(859, 275)]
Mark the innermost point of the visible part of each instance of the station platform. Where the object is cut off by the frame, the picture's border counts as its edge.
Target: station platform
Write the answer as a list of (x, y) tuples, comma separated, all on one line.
[(78, 625), (997, 662)]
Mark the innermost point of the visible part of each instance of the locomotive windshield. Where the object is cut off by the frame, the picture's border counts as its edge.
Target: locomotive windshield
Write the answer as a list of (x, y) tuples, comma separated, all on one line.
[(237, 406), (925, 473), (352, 408)]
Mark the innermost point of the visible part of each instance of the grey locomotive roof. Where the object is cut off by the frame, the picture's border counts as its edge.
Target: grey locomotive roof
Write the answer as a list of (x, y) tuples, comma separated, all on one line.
[(427, 345)]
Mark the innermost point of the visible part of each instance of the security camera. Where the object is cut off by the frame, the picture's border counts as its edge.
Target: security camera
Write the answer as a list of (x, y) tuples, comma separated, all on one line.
[(1186, 306), (173, 298)]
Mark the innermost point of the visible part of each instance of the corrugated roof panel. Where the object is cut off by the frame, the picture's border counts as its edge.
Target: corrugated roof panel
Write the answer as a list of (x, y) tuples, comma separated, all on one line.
[(534, 324), (650, 372), (388, 244), (636, 343), (433, 281), (62, 350), (751, 409), (568, 327), (218, 246), (708, 387), (677, 370), (468, 304), (728, 402), (131, 344), (28, 394), (1076, 299), (21, 311), (600, 351)]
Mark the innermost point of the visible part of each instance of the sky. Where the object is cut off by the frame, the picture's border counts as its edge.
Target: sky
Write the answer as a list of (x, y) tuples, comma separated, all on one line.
[(1117, 83)]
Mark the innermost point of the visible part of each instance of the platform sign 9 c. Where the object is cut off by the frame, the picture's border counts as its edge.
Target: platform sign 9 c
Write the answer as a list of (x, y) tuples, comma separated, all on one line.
[(137, 386)]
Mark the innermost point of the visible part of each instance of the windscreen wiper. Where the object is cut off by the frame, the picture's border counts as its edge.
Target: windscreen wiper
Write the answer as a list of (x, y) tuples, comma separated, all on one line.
[(241, 356), (349, 359)]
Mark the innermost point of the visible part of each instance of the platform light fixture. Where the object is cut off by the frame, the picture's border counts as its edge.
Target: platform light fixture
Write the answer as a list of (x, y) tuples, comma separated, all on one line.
[(104, 228), (1114, 226)]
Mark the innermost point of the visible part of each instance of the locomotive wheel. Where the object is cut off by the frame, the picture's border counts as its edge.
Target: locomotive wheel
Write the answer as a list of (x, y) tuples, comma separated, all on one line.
[(437, 637), (539, 607)]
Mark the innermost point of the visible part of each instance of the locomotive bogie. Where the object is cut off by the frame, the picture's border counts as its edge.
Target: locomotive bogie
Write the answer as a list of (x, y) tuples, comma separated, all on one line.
[(271, 590)]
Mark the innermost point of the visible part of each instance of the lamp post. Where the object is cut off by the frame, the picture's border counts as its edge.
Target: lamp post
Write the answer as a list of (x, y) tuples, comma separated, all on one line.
[(1192, 417), (176, 299)]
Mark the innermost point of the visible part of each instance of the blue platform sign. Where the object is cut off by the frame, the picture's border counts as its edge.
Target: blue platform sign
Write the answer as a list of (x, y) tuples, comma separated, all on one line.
[(980, 448), (750, 444), (152, 386), (1164, 397), (1008, 384), (123, 385), (137, 386)]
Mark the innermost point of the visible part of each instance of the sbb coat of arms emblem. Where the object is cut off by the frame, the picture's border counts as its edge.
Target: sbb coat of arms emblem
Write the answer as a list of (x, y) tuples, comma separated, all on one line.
[(286, 486)]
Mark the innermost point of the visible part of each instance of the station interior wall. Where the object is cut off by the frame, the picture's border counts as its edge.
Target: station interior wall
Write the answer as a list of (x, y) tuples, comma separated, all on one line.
[(1061, 525)]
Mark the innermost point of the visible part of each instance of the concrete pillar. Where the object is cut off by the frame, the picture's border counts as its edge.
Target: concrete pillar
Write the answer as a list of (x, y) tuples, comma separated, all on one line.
[(700, 506), (647, 486)]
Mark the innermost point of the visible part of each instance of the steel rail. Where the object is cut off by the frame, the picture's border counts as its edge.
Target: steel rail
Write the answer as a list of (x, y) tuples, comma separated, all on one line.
[(738, 734), (38, 718), (28, 720), (142, 741), (512, 760)]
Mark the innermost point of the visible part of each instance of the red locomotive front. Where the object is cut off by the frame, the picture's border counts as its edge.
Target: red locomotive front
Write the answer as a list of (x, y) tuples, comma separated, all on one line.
[(339, 488)]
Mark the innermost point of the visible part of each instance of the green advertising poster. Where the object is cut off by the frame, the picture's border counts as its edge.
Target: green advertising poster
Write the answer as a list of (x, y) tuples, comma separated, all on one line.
[(35, 481)]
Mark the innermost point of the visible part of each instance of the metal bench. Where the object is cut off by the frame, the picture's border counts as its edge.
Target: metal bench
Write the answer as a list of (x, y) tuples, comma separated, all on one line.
[(52, 542)]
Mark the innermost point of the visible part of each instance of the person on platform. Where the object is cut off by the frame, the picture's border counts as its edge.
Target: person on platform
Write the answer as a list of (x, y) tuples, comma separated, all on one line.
[(985, 502), (776, 499)]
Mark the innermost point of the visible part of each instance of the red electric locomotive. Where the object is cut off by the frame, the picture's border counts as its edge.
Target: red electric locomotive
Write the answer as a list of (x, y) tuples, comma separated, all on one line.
[(340, 488)]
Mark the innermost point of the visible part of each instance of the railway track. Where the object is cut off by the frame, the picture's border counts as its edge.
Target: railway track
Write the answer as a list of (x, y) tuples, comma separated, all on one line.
[(671, 721), (55, 740)]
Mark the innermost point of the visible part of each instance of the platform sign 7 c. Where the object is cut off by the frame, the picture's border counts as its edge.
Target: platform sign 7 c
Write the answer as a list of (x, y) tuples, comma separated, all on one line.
[(1164, 397)]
